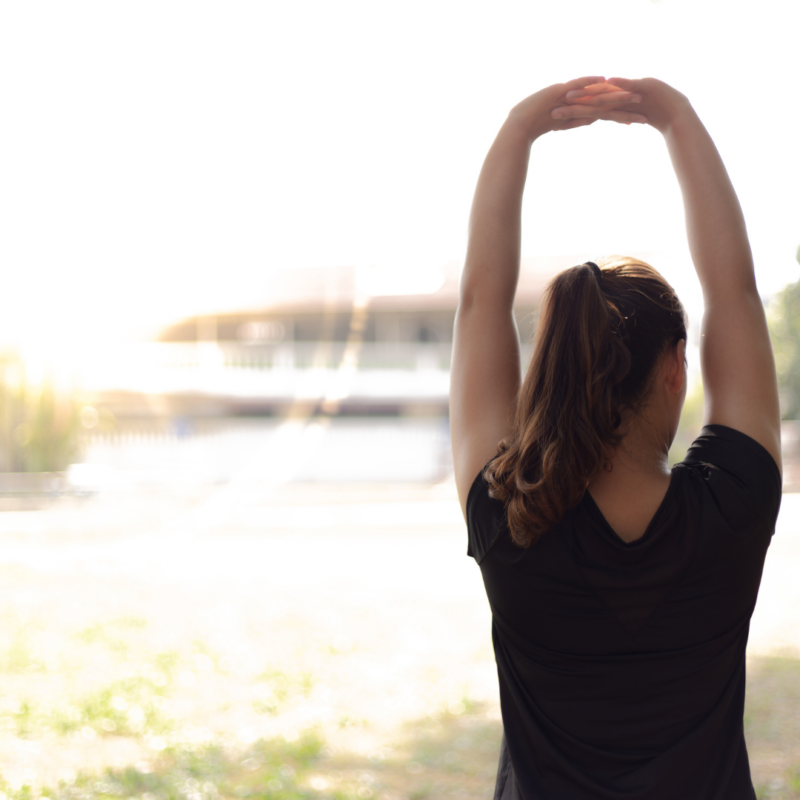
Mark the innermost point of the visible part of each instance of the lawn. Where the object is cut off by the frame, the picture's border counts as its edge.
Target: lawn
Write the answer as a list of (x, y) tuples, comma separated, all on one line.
[(316, 642)]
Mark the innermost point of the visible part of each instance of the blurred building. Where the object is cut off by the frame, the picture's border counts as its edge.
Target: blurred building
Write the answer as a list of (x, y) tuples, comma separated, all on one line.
[(337, 340), (340, 343)]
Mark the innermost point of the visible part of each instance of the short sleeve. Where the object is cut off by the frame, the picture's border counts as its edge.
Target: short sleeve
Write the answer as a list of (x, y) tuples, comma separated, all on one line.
[(486, 519), (741, 476)]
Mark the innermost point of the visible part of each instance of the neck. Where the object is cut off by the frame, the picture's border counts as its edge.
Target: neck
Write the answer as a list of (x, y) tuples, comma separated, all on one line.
[(641, 456)]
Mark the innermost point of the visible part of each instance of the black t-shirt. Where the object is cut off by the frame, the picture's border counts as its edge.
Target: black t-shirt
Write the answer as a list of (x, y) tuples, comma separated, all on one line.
[(622, 666)]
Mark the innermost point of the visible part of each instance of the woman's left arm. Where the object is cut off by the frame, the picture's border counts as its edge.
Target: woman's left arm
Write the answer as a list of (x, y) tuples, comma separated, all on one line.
[(485, 372)]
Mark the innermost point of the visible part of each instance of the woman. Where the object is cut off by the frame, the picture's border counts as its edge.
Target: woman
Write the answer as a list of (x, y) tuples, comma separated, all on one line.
[(621, 590)]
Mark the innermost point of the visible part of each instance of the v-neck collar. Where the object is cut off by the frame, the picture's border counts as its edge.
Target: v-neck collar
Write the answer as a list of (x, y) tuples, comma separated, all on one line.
[(597, 514)]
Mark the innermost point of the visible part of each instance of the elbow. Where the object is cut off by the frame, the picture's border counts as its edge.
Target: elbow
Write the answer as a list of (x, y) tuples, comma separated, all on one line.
[(468, 299), (727, 283), (474, 295)]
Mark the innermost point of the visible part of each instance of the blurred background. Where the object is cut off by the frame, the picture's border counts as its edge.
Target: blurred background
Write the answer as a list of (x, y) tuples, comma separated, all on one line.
[(232, 558)]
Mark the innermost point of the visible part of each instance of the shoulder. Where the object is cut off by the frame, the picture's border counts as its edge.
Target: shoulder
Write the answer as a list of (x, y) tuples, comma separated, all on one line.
[(740, 475), (485, 516), (731, 450)]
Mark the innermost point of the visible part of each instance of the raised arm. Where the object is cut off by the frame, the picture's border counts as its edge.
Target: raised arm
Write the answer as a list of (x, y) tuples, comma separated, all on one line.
[(738, 367), (485, 374)]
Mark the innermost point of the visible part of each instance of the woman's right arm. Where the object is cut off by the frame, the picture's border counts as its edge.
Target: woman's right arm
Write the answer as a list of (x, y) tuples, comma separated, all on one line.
[(738, 367)]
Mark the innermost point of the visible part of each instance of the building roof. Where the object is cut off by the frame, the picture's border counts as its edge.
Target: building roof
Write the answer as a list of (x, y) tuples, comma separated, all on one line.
[(316, 288)]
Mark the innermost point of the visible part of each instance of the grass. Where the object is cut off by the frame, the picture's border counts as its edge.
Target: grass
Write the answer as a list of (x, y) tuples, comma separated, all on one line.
[(451, 752), (133, 703), (266, 769), (127, 706), (111, 634), (451, 755), (143, 699), (772, 726), (277, 689), (144, 707)]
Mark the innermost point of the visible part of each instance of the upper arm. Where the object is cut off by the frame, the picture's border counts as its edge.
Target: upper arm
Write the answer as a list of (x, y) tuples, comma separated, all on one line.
[(738, 366), (484, 382)]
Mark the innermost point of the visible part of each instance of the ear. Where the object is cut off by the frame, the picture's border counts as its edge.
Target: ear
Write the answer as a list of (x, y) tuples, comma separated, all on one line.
[(674, 366)]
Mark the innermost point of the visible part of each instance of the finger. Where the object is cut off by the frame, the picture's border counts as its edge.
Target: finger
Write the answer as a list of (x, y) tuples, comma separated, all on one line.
[(622, 116), (623, 83), (568, 112), (606, 99), (576, 110), (579, 122), (581, 82), (592, 89)]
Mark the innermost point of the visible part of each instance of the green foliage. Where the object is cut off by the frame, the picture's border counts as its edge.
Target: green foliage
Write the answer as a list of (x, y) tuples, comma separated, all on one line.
[(273, 768), (277, 690), (110, 634), (454, 743), (18, 655), (772, 725), (133, 704), (39, 425), (773, 689), (690, 425), (128, 706), (793, 775), (48, 436), (784, 329)]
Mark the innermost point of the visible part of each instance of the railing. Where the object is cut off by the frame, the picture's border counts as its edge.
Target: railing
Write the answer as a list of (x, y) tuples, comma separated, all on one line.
[(286, 355), (294, 355), (289, 369)]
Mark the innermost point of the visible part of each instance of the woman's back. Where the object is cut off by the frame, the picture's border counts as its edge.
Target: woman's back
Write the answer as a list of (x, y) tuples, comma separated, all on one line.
[(622, 665)]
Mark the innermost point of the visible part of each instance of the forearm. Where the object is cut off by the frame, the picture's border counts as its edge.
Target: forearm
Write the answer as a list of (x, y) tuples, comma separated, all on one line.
[(491, 268), (715, 224)]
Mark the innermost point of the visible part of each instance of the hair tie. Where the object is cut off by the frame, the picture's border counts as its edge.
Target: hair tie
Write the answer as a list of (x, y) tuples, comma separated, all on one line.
[(598, 273)]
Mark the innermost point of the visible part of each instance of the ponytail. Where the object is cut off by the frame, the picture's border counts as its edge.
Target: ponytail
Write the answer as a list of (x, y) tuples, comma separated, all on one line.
[(599, 337)]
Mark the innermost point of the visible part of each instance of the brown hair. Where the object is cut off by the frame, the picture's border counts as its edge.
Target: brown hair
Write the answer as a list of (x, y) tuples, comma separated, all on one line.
[(600, 335)]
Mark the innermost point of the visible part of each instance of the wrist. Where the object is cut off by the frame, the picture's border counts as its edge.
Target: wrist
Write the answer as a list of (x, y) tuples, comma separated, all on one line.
[(681, 116), (518, 126)]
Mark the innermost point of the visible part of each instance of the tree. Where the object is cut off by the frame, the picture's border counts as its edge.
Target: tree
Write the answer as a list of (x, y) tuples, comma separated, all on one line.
[(784, 329), (39, 424)]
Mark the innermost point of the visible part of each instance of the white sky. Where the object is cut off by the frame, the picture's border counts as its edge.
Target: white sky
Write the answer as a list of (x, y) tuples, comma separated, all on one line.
[(163, 158)]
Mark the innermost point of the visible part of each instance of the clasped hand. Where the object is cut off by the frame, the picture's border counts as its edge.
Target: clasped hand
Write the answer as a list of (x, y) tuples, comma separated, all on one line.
[(579, 102)]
